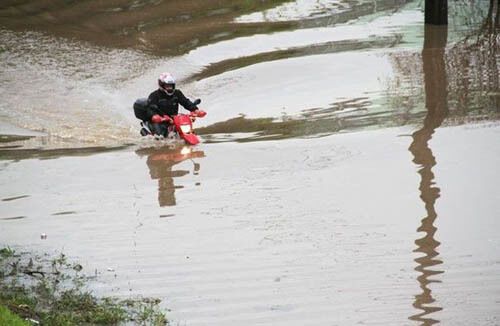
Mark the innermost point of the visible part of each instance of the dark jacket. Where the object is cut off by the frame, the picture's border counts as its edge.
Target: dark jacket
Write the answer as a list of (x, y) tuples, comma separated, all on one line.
[(161, 103)]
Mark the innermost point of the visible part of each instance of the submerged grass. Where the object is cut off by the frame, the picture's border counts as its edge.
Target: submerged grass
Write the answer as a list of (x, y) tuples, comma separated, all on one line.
[(52, 292)]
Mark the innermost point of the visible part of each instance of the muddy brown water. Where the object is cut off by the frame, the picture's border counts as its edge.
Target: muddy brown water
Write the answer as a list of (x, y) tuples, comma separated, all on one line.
[(348, 171)]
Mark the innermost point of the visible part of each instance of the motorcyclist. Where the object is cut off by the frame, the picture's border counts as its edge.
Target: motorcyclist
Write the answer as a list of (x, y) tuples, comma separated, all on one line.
[(163, 104)]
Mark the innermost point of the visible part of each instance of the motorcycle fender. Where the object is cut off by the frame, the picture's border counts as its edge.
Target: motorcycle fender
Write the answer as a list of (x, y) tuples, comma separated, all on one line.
[(191, 139)]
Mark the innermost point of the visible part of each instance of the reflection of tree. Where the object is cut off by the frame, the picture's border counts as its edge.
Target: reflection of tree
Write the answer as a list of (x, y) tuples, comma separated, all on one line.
[(437, 109), (160, 162), (471, 66), (474, 61)]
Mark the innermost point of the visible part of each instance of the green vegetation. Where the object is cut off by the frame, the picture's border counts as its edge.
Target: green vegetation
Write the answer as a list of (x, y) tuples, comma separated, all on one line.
[(6, 253), (8, 318), (52, 292)]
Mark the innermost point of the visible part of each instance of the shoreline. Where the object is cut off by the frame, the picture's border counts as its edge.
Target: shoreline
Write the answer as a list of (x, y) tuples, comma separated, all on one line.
[(42, 289)]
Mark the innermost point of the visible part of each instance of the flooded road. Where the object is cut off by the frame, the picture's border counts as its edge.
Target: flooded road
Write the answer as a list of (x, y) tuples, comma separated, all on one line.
[(348, 171), (341, 67), (300, 232)]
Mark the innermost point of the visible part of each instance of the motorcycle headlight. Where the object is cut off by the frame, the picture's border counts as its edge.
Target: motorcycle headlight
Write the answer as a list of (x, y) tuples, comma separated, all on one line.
[(186, 150), (186, 129)]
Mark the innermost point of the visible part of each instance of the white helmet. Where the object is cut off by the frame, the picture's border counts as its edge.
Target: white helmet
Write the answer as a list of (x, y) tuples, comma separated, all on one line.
[(167, 83)]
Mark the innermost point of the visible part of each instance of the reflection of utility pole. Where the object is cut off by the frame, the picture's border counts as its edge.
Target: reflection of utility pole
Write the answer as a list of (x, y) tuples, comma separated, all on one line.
[(497, 17), (490, 31), (437, 109), (492, 22)]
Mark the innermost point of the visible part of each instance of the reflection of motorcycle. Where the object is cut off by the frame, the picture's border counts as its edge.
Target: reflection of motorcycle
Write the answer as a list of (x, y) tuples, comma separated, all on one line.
[(160, 161), (181, 126)]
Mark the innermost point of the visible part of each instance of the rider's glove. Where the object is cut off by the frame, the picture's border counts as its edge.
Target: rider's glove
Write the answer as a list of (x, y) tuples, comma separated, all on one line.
[(167, 119), (156, 119), (200, 113)]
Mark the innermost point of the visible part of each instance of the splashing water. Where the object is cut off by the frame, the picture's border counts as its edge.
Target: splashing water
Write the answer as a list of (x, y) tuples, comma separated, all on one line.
[(74, 92)]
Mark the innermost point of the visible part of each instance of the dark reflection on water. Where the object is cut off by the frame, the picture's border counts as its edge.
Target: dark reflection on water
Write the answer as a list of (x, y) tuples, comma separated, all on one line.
[(471, 66), (347, 115), (161, 26), (435, 82), (161, 160), (323, 48), (473, 63), (12, 218), (15, 198), (18, 152), (157, 26), (314, 122)]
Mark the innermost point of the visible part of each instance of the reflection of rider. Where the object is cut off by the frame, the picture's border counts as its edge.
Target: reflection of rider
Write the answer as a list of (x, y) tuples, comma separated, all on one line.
[(163, 104), (160, 163)]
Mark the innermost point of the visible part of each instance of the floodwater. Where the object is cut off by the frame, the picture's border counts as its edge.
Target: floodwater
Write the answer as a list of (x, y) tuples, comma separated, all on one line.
[(347, 175)]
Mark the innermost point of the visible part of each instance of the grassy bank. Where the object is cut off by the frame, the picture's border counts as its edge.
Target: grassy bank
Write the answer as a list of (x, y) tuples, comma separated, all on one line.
[(8, 318), (53, 291)]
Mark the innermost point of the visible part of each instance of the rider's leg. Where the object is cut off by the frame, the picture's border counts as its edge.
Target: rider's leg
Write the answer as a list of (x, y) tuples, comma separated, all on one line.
[(159, 129)]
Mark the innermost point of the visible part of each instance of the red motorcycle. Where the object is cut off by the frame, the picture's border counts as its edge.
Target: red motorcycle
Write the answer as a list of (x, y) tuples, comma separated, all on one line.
[(181, 124)]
